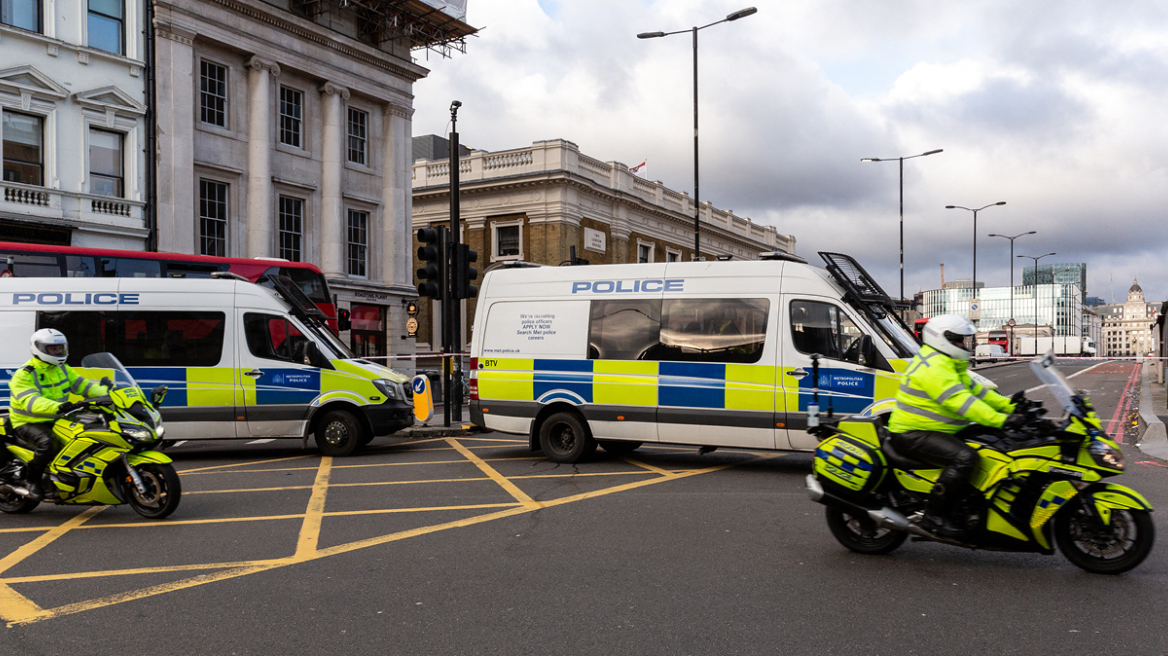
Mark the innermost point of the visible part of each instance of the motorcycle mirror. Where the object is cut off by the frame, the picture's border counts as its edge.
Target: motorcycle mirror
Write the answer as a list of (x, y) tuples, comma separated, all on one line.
[(157, 394)]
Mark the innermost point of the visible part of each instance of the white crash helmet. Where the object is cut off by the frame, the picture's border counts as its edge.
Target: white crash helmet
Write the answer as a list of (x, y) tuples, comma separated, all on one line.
[(952, 335), (50, 345)]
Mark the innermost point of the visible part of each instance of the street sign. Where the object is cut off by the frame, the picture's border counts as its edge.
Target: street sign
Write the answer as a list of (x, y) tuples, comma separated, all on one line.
[(1011, 323), (975, 309), (423, 398), (411, 327)]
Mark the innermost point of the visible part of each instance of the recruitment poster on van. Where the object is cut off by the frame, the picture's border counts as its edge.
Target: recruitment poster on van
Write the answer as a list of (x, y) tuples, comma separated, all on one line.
[(558, 329)]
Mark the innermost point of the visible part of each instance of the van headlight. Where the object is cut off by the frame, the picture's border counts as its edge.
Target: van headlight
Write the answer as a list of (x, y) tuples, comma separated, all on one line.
[(390, 389)]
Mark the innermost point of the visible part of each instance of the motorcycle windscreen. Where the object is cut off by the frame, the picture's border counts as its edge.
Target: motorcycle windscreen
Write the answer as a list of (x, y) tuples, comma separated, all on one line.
[(1050, 376), (121, 377)]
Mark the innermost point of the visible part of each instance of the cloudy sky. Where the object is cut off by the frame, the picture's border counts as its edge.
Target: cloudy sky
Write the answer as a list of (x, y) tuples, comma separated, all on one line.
[(1058, 108)]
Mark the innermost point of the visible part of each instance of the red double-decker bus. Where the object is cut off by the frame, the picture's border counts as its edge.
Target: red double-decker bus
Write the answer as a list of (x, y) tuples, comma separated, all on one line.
[(38, 260)]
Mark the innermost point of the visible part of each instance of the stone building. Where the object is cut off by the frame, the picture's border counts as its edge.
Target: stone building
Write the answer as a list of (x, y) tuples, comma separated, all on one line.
[(1128, 327), (536, 203), (72, 108), (284, 131)]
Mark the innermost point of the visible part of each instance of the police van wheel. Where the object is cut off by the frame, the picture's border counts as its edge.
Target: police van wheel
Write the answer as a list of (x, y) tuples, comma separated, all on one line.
[(619, 448), (564, 438), (339, 434)]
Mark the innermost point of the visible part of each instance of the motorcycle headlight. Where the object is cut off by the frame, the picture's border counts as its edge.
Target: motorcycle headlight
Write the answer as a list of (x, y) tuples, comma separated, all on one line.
[(1105, 455), (137, 434)]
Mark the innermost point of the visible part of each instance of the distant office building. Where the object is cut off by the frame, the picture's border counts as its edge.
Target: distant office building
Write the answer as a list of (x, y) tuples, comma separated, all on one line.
[(1128, 327), (1067, 274), (434, 147), (1094, 301), (961, 283), (1058, 305)]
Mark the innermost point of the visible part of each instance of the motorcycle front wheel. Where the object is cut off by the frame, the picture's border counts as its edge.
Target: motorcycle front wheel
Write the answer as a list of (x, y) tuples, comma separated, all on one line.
[(1113, 548), (862, 535), (163, 491)]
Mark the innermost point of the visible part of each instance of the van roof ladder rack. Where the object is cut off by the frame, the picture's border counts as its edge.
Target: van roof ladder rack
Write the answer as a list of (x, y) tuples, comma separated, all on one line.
[(861, 288)]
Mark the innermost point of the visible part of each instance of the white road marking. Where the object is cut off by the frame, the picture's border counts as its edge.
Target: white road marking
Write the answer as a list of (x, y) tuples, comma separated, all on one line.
[(178, 443), (261, 441), (1035, 389)]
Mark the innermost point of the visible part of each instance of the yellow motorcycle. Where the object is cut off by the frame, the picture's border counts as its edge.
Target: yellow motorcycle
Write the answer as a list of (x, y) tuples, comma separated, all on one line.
[(105, 452)]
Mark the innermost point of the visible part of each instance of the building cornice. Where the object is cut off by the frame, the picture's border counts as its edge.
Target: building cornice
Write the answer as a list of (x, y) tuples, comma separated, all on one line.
[(581, 183)]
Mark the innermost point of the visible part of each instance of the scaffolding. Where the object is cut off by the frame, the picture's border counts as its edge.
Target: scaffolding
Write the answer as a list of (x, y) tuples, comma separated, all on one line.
[(434, 26)]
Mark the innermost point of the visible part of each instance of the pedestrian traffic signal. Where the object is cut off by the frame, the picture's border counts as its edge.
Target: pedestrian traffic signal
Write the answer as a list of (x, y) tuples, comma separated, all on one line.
[(432, 254), (465, 274)]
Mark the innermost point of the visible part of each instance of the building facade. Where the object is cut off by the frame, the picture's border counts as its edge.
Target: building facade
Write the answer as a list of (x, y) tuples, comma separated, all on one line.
[(1058, 306), (537, 203), (72, 122), (1066, 274), (1129, 327), (285, 132)]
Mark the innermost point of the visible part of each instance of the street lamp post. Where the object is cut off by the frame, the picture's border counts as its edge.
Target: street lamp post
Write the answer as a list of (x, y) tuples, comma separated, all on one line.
[(901, 160), (1012, 279), (975, 211), (741, 13), (1036, 259)]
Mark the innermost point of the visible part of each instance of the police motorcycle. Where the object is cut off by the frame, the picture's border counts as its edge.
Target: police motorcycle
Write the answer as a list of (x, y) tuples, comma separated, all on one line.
[(1033, 488), (105, 452)]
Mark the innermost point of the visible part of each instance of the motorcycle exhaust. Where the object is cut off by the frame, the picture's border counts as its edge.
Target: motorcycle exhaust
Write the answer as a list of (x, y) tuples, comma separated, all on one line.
[(18, 491), (814, 489), (817, 493), (889, 518)]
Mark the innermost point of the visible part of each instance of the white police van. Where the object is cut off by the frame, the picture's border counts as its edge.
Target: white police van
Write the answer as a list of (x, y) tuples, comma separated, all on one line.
[(240, 360), (716, 354)]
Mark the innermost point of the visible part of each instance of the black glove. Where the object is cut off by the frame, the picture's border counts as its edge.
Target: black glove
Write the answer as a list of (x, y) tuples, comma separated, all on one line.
[(69, 406), (1014, 422)]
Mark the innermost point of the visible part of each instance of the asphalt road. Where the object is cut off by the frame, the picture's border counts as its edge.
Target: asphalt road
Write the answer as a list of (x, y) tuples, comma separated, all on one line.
[(477, 546)]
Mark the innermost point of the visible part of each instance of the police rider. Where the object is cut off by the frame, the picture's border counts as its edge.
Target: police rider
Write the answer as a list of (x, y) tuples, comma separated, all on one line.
[(39, 395), (936, 400)]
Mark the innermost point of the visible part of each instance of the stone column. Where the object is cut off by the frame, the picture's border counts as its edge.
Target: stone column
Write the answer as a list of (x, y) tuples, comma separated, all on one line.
[(332, 164), (396, 196), (259, 157), (178, 226)]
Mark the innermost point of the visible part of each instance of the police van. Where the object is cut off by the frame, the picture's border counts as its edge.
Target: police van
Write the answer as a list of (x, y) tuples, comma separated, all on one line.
[(241, 360), (715, 354)]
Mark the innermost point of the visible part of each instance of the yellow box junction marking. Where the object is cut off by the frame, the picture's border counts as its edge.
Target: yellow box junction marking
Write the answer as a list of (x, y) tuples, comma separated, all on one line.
[(16, 609)]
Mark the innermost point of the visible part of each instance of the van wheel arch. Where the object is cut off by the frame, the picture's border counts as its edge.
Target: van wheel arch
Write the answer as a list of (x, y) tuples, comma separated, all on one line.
[(547, 411), (352, 408)]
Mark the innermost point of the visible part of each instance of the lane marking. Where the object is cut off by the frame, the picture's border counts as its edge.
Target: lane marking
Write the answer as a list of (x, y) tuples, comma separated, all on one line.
[(314, 515), (1154, 464), (178, 444), (655, 470), (494, 475), (244, 464), (1124, 402), (379, 464), (1077, 373), (262, 441), (15, 606)]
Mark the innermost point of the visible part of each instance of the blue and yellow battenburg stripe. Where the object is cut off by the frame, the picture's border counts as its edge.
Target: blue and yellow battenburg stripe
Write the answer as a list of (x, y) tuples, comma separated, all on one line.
[(677, 384)]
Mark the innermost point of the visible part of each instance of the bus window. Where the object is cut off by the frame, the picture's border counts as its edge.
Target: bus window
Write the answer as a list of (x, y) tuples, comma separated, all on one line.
[(192, 270), (30, 266), (80, 266), (309, 281), (128, 267)]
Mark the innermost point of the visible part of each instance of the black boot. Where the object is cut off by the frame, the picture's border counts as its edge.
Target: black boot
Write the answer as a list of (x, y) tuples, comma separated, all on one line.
[(936, 519), (33, 478)]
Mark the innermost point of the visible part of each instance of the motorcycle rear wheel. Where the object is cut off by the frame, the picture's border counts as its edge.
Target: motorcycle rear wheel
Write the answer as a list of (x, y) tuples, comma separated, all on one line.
[(1111, 549), (861, 535), (163, 491), (14, 504)]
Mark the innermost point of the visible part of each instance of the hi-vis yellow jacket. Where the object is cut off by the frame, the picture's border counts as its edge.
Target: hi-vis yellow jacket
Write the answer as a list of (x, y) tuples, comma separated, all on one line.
[(937, 394), (38, 389)]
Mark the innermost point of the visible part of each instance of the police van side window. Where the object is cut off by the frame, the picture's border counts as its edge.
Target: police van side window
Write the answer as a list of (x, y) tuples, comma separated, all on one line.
[(142, 339), (273, 337), (822, 328), (713, 330), (624, 329)]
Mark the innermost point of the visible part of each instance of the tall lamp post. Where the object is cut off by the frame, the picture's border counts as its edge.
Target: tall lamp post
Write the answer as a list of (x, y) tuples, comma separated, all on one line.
[(741, 13), (1012, 279), (975, 211), (1036, 259), (901, 160)]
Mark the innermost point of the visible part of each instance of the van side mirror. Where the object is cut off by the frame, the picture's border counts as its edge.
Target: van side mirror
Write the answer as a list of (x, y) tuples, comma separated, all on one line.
[(311, 353), (157, 394), (869, 356)]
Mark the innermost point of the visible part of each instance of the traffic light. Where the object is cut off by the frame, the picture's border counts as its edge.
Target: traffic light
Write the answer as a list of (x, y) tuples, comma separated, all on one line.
[(465, 273), (433, 254)]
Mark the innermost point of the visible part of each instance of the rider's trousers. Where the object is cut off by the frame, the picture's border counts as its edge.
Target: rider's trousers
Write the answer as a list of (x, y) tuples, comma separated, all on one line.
[(38, 437), (942, 450)]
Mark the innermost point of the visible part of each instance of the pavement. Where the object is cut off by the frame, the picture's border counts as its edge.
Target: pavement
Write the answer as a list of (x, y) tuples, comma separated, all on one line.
[(1153, 413)]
